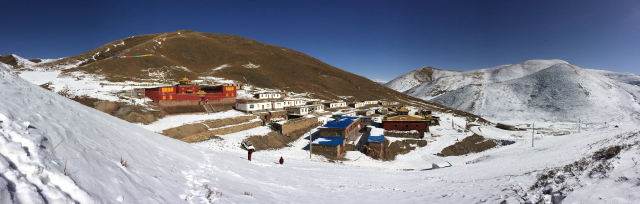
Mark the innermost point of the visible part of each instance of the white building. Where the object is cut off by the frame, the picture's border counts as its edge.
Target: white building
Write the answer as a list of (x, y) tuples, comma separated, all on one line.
[(298, 110), (370, 102), (277, 105), (316, 108), (299, 103), (358, 104), (289, 103), (268, 96), (336, 104), (253, 106)]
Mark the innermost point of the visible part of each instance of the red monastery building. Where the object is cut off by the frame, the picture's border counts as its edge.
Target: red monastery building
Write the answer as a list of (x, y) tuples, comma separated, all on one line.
[(405, 122), (186, 93)]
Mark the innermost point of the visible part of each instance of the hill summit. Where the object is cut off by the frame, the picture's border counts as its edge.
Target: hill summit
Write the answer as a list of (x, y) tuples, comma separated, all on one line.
[(196, 55)]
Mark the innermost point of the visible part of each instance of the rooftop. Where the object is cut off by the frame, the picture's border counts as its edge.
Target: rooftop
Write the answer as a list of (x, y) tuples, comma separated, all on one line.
[(405, 118), (333, 141), (341, 122), (377, 138)]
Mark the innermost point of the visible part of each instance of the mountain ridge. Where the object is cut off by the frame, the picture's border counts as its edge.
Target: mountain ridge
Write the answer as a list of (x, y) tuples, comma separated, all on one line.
[(211, 56), (536, 90)]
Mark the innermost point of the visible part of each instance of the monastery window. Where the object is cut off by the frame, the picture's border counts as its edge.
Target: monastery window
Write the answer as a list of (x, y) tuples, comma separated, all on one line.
[(339, 133), (407, 125), (250, 106), (396, 125)]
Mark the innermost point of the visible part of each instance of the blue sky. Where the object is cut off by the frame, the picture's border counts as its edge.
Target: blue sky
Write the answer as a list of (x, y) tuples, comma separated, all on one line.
[(380, 40)]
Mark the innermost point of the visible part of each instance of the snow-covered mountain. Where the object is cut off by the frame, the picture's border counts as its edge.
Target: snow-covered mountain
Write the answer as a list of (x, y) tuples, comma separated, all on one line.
[(416, 77), (550, 90)]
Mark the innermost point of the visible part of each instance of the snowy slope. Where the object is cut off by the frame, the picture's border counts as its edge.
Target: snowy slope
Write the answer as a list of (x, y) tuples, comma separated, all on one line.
[(163, 170), (537, 90), (33, 121)]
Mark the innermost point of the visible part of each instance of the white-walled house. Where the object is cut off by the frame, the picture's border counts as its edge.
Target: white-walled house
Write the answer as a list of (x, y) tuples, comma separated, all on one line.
[(387, 103), (253, 106), (357, 104), (298, 110), (336, 104), (268, 95), (278, 105), (299, 103), (289, 103), (316, 108), (370, 102)]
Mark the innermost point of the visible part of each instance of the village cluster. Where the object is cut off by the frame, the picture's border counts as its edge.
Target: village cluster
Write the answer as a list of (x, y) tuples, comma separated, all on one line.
[(356, 126)]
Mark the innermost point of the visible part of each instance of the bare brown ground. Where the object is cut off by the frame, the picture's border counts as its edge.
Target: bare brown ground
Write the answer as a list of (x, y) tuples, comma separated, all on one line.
[(192, 129), (275, 141), (400, 147), (471, 144), (124, 111)]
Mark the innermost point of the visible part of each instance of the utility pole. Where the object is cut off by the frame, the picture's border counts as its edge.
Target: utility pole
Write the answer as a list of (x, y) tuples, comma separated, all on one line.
[(310, 141), (533, 129), (132, 99)]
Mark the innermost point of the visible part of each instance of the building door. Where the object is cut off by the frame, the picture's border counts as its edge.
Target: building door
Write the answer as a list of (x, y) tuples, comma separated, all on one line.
[(340, 150), (262, 106)]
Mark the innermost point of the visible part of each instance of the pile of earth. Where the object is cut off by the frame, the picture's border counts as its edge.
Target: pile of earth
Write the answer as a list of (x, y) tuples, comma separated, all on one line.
[(399, 147), (472, 144), (124, 111), (273, 140)]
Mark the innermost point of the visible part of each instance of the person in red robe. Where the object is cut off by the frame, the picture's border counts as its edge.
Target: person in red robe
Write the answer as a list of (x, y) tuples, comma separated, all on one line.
[(281, 161), (250, 151)]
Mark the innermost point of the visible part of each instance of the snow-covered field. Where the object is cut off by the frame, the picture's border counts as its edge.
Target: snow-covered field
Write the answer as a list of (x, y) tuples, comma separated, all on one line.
[(87, 165)]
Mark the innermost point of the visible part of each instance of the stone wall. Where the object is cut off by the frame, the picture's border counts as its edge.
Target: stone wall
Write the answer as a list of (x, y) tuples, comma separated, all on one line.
[(331, 132), (404, 134), (326, 150), (295, 125), (221, 131), (179, 103), (375, 149)]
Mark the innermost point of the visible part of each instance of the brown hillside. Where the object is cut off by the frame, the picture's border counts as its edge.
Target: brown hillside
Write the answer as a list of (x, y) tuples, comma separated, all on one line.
[(8, 59), (280, 68)]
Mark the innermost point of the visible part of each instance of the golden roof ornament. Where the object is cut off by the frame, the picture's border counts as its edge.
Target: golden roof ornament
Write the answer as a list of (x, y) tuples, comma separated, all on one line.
[(403, 109)]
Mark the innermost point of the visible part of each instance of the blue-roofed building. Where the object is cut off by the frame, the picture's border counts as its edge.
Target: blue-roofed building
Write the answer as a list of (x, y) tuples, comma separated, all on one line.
[(328, 146), (377, 138), (375, 143), (344, 127)]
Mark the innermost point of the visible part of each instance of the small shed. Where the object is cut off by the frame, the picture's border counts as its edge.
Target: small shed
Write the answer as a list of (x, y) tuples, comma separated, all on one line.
[(439, 165)]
